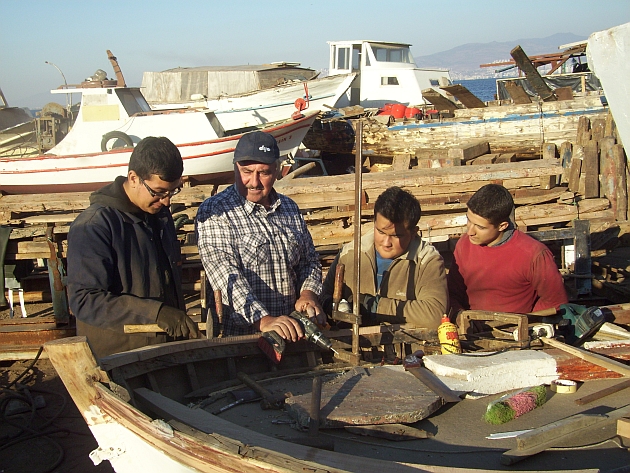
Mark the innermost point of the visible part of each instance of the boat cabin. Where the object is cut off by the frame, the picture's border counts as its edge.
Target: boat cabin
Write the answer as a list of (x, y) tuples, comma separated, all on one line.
[(111, 116), (387, 73)]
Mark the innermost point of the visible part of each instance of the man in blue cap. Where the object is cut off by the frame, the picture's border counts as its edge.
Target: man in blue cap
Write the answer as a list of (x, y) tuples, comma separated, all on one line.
[(256, 249)]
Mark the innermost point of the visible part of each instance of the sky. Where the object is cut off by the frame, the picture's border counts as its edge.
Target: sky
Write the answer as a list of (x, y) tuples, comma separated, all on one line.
[(154, 35)]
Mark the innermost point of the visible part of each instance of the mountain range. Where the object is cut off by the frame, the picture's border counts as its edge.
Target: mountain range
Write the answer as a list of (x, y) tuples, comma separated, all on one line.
[(463, 61)]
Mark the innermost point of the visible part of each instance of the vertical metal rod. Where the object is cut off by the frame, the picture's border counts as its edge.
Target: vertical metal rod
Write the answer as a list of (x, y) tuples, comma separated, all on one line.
[(358, 188), (316, 401)]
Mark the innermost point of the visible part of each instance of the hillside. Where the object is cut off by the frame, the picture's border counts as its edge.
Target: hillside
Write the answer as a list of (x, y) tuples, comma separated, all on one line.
[(463, 61)]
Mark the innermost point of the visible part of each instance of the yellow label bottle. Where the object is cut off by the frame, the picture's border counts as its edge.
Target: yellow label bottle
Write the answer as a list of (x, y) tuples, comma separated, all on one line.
[(448, 336)]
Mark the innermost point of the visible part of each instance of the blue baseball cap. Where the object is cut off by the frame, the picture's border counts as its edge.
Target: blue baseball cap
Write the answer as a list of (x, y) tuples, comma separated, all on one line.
[(257, 146)]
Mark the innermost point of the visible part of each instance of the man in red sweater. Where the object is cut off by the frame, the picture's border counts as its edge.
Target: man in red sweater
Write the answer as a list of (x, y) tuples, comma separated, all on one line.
[(498, 268)]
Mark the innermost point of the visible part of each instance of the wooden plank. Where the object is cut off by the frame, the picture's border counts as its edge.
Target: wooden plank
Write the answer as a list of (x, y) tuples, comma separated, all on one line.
[(438, 100), (566, 153), (469, 150), (533, 77), (603, 393), (483, 159), (517, 93), (590, 170), (465, 96), (623, 428), (506, 158), (401, 162), (549, 151), (576, 168), (564, 93), (621, 189), (583, 131), (608, 174), (429, 163), (594, 358), (598, 129), (556, 433)]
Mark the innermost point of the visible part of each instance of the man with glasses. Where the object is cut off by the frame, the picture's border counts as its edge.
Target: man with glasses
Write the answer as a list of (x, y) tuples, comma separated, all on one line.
[(124, 260), (256, 249)]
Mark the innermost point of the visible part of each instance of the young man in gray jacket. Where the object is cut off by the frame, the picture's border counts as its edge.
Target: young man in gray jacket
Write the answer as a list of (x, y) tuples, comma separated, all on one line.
[(402, 277), (124, 260)]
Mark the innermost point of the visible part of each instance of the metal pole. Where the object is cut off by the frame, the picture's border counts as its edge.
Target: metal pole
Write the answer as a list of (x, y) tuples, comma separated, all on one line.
[(68, 96), (358, 186)]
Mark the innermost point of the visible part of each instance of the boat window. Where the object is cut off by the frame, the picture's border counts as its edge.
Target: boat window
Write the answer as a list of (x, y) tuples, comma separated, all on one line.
[(389, 81), (133, 101), (434, 82), (356, 59), (343, 58), (392, 54)]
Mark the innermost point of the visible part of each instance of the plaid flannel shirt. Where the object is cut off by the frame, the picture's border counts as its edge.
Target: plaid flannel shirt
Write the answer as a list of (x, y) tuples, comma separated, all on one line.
[(260, 259)]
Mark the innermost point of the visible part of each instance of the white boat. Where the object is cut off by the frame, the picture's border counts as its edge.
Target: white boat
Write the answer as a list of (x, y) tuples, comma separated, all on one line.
[(386, 73), (608, 58), (113, 115), (242, 95)]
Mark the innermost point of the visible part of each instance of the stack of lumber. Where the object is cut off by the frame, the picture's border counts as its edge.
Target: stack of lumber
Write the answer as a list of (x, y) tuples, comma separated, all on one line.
[(547, 195)]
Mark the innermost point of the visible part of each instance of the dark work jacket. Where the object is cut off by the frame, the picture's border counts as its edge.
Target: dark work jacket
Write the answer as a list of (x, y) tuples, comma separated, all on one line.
[(113, 270)]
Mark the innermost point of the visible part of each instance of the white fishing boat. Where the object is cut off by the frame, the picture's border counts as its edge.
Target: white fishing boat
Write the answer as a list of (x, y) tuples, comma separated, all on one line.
[(244, 95), (112, 119)]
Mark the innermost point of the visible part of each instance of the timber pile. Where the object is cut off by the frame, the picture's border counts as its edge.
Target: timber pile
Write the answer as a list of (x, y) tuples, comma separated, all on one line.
[(548, 192)]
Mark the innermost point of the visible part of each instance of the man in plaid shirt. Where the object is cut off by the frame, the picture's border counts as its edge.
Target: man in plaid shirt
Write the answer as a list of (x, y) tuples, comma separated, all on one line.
[(255, 247)]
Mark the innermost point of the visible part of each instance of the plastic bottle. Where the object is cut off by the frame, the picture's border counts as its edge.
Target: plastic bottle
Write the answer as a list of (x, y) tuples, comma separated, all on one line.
[(448, 336)]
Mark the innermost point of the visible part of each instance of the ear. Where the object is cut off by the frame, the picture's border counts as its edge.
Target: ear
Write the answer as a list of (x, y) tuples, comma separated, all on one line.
[(415, 231), (503, 226), (132, 177)]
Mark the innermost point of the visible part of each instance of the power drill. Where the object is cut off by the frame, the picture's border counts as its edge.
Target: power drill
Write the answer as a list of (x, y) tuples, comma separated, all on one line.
[(273, 345)]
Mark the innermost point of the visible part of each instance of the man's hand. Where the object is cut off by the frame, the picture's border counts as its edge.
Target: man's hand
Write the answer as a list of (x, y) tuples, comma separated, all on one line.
[(309, 303), (285, 326), (176, 323), (368, 304)]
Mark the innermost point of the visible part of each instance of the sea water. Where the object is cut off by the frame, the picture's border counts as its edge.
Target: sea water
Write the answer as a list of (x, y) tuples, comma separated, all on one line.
[(484, 89)]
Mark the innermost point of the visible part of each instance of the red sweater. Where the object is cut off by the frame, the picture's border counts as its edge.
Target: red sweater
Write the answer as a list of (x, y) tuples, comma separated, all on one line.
[(518, 276)]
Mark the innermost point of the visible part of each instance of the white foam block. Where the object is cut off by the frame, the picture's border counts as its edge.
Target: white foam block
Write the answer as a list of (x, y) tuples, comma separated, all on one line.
[(491, 373)]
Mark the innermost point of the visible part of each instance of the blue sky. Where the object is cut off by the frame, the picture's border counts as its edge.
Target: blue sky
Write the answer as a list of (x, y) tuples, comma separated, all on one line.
[(157, 35)]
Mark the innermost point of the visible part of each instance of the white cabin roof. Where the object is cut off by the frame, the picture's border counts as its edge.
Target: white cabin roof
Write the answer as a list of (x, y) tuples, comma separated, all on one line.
[(361, 41)]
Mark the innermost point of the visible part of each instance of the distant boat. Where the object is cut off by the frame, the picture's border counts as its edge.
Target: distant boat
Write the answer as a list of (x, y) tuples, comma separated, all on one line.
[(244, 95), (112, 119)]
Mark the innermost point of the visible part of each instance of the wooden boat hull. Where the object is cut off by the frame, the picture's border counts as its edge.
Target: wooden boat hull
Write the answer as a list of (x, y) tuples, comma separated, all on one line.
[(204, 162), (157, 379)]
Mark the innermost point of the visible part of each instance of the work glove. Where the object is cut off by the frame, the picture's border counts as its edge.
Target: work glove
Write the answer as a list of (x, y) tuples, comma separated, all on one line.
[(176, 323)]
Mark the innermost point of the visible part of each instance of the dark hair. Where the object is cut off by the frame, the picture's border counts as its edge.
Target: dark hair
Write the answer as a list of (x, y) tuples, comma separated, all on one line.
[(157, 155), (398, 206), (492, 202)]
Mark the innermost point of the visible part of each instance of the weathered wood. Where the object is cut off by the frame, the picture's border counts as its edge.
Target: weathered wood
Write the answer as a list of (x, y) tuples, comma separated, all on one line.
[(576, 168), (469, 150), (564, 93), (598, 129), (549, 151), (621, 189), (465, 96), (401, 162), (566, 153), (438, 100), (517, 93), (429, 163), (534, 78), (623, 428), (590, 170), (609, 175), (539, 439), (583, 131)]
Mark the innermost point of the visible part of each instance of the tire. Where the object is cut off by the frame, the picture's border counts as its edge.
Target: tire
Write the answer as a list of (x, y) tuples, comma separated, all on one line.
[(116, 136)]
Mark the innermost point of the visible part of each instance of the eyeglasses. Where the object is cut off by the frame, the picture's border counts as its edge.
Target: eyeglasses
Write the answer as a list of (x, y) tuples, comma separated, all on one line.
[(160, 195)]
